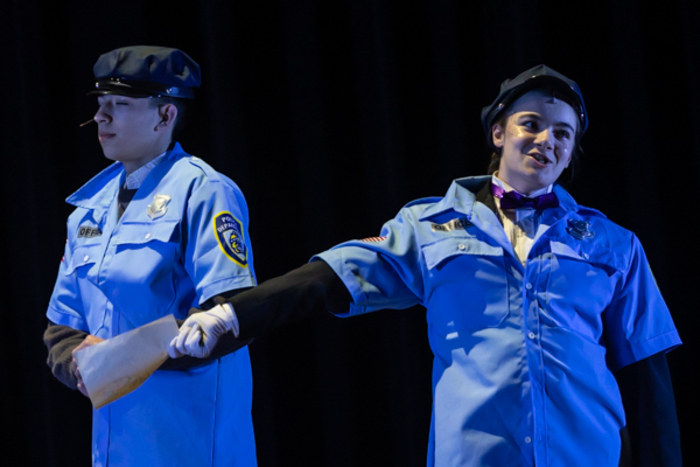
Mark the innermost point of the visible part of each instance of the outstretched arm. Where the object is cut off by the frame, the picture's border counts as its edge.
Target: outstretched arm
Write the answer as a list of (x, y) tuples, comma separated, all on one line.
[(281, 300)]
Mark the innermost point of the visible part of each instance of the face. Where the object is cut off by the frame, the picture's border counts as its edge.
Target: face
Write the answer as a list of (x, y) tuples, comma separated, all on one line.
[(537, 141), (130, 130)]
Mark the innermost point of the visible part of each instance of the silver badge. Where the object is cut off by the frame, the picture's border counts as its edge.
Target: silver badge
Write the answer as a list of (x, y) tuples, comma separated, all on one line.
[(159, 206), (580, 229)]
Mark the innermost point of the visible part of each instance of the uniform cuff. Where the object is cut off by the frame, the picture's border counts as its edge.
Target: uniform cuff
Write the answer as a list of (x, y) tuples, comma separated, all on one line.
[(335, 261), (661, 343), (57, 316)]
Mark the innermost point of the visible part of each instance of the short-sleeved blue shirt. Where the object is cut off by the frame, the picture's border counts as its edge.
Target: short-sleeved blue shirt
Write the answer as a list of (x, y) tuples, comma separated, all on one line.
[(524, 355), (182, 239)]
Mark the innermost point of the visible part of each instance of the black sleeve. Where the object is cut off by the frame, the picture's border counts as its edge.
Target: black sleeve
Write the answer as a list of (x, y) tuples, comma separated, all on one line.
[(60, 341), (281, 300), (650, 409), (295, 295)]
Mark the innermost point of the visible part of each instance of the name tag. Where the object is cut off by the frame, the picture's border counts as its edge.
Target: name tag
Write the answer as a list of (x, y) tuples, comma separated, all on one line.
[(88, 232), (454, 224)]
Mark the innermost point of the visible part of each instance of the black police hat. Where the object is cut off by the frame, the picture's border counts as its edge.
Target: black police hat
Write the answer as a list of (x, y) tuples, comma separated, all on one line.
[(146, 71), (537, 77)]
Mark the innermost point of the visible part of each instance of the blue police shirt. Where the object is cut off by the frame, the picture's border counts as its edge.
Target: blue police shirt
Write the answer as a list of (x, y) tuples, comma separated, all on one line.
[(524, 355), (182, 239)]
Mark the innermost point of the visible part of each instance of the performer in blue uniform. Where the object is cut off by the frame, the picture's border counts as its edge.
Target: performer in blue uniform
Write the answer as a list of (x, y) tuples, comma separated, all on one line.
[(543, 315), (157, 232)]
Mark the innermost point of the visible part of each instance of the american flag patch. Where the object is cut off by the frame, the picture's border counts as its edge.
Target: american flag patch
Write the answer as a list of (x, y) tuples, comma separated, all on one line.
[(373, 239)]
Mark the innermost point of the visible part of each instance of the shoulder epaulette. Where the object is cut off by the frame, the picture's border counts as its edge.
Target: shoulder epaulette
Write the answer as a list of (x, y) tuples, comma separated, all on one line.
[(590, 211), (428, 200)]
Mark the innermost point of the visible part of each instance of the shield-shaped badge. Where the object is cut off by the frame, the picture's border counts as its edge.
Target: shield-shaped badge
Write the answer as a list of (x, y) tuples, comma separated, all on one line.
[(580, 229), (159, 206)]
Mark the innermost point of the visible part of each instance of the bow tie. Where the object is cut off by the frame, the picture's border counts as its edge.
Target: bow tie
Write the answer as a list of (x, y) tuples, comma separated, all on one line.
[(514, 200)]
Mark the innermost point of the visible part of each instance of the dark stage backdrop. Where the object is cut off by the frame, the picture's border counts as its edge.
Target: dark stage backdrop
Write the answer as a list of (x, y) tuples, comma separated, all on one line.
[(331, 115)]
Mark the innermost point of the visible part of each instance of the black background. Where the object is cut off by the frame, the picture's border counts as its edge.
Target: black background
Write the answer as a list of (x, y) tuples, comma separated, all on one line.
[(330, 115)]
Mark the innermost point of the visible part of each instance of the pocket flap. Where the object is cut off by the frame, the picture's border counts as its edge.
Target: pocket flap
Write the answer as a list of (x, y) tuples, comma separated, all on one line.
[(138, 233), (82, 256), (436, 253), (590, 253)]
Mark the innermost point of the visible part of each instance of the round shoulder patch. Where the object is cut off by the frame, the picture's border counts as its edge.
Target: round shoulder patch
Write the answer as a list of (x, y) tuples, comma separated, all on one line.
[(229, 234)]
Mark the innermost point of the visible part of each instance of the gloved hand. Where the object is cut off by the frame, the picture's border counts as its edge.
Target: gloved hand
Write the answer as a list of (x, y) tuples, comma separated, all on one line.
[(201, 331)]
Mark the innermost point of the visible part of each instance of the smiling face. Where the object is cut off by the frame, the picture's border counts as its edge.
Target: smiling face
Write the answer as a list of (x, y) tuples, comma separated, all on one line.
[(132, 131), (537, 140)]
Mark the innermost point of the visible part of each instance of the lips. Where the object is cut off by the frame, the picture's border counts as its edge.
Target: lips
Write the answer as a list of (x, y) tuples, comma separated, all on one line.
[(104, 136), (541, 159)]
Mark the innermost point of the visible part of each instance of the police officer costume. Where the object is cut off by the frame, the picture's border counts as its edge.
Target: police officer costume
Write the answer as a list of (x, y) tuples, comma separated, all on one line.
[(130, 258), (527, 350)]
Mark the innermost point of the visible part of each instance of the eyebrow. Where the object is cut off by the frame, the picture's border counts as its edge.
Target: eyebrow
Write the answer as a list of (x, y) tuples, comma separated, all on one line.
[(564, 124), (538, 117)]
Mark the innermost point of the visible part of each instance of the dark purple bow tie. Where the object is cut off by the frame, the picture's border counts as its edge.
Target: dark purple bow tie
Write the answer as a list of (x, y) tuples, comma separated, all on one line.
[(514, 200)]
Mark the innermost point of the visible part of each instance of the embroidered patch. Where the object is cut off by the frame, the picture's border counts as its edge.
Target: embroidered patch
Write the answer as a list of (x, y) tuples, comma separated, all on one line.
[(88, 231), (454, 224), (159, 206), (229, 234), (373, 239), (580, 229)]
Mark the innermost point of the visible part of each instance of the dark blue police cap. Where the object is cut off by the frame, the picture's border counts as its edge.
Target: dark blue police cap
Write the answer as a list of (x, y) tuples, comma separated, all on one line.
[(537, 77), (146, 71)]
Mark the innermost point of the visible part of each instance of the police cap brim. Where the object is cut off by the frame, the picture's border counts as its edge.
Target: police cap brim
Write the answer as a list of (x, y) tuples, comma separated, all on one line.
[(138, 89)]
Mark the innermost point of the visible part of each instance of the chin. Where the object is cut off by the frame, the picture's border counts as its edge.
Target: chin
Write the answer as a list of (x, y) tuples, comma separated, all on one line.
[(110, 156)]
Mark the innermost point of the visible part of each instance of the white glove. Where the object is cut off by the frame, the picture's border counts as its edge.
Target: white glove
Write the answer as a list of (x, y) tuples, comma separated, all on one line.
[(201, 331)]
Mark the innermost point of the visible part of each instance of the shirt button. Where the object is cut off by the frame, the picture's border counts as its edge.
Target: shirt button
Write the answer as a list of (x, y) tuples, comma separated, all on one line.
[(585, 256), (461, 246), (528, 286), (531, 335), (148, 235), (86, 258), (528, 440)]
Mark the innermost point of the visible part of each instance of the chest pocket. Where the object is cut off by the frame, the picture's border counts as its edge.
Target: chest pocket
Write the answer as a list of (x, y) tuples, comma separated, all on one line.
[(582, 280), (82, 256), (466, 286), (144, 268), (83, 264)]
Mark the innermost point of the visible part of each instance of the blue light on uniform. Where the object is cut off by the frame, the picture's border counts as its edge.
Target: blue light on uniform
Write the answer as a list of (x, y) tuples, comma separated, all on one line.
[(522, 356)]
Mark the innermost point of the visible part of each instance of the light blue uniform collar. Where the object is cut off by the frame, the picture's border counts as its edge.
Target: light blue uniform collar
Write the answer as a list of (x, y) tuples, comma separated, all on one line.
[(461, 197), (92, 195)]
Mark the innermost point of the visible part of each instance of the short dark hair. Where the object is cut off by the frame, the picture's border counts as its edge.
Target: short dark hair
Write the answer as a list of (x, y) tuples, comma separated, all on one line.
[(575, 154), (184, 108)]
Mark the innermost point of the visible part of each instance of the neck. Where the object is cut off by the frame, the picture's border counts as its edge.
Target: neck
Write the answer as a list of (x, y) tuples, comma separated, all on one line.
[(508, 186), (132, 166)]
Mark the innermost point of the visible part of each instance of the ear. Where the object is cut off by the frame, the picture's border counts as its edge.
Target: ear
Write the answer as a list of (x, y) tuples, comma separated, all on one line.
[(167, 114), (498, 135)]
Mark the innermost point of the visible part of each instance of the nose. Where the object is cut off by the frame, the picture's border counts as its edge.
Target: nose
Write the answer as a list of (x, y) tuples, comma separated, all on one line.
[(102, 115), (545, 139)]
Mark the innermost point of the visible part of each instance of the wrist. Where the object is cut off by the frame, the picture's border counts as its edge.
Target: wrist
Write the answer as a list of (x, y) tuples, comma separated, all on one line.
[(229, 315)]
